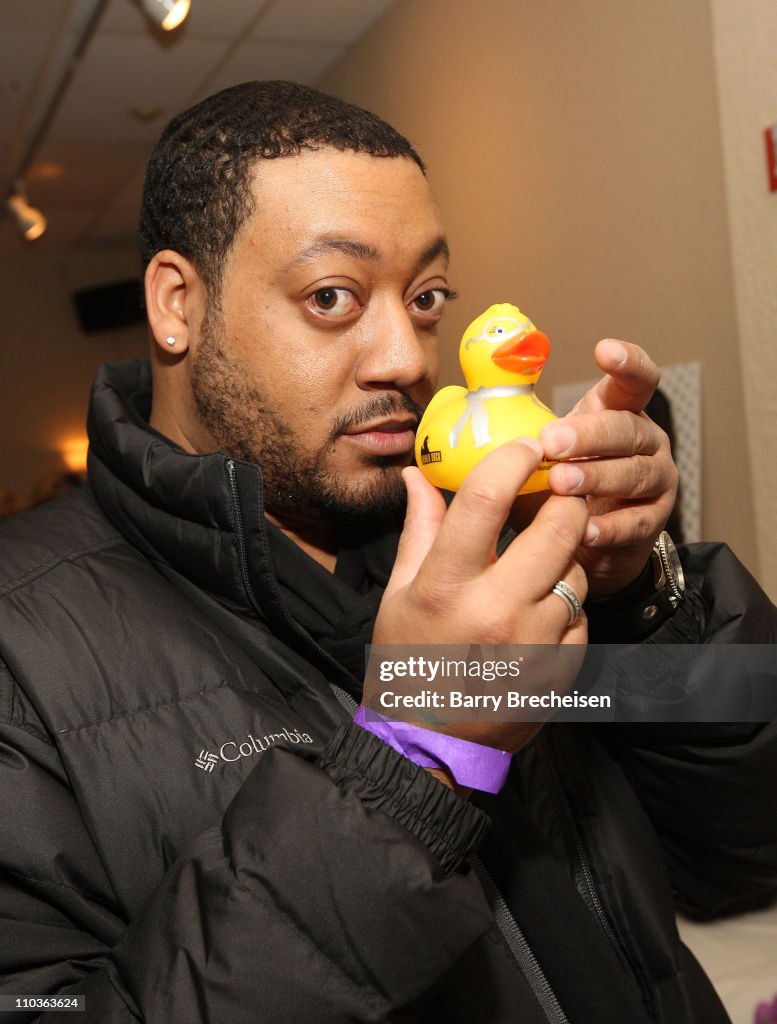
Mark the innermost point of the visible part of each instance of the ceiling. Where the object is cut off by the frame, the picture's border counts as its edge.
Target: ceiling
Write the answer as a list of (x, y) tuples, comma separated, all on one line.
[(95, 139)]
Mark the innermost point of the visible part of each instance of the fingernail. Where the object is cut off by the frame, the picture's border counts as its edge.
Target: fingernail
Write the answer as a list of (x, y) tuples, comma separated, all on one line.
[(615, 351), (571, 477), (558, 440), (532, 443), (591, 535)]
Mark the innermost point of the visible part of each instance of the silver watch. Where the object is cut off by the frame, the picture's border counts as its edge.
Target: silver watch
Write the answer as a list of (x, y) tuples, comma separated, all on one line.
[(667, 569)]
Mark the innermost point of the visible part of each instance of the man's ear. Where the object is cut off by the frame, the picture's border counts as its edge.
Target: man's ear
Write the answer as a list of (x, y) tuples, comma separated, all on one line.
[(174, 300)]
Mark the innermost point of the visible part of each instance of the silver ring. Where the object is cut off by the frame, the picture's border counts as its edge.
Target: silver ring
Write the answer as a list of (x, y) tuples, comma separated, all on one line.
[(570, 598)]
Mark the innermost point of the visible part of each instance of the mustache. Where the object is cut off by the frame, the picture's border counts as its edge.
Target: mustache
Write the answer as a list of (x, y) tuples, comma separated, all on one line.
[(376, 408)]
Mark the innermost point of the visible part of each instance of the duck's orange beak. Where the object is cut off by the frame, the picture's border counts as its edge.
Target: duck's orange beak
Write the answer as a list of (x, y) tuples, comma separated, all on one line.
[(526, 355)]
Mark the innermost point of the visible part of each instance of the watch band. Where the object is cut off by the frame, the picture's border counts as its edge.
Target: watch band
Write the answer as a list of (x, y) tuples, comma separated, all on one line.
[(669, 568), (473, 765)]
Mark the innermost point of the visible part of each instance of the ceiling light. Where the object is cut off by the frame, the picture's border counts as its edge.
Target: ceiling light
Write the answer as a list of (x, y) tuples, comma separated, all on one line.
[(30, 222), (167, 13)]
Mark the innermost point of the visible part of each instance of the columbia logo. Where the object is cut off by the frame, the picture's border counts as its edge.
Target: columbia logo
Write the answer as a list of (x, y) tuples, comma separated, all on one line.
[(233, 750), (207, 761)]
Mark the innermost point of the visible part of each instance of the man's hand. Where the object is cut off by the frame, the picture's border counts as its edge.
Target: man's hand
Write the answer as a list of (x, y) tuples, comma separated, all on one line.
[(449, 587), (611, 452)]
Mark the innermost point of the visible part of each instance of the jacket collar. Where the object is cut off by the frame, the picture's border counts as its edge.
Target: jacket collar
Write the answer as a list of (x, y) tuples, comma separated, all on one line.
[(179, 509)]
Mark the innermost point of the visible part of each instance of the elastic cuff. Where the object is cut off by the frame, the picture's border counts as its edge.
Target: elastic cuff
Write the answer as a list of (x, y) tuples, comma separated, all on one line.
[(471, 765), (360, 763)]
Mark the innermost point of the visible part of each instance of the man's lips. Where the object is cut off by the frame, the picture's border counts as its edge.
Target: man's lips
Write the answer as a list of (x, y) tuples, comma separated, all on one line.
[(384, 437)]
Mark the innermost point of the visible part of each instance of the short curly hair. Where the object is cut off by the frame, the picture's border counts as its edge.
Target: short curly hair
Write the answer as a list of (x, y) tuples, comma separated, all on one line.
[(197, 190)]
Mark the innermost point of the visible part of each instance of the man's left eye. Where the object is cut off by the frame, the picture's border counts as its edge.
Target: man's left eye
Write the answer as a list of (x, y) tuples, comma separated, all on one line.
[(431, 302), (332, 302)]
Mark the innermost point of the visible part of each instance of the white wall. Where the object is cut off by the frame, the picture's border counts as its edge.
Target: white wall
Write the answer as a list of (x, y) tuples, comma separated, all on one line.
[(746, 54)]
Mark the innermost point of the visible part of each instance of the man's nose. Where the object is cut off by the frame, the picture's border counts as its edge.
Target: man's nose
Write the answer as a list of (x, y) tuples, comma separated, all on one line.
[(397, 352)]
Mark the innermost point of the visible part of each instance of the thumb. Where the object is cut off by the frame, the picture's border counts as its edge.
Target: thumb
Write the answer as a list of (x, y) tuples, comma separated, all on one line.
[(425, 512)]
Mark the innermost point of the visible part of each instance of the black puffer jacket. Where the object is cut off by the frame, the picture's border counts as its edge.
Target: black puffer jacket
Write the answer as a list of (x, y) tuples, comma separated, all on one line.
[(192, 831)]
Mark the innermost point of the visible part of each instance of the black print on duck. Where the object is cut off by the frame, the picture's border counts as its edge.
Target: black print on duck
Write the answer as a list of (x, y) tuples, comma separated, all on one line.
[(427, 456)]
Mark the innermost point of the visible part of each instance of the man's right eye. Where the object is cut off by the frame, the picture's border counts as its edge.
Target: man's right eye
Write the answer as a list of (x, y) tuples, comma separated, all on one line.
[(332, 302)]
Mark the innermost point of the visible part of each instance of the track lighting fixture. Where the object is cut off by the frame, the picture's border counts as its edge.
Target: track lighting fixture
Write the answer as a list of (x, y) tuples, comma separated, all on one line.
[(167, 13), (30, 221)]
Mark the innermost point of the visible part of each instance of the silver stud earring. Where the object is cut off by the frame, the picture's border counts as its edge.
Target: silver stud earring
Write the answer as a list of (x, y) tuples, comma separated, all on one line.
[(170, 339)]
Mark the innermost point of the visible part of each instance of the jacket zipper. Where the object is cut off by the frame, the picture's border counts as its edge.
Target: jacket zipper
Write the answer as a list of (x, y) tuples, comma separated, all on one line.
[(584, 880), (241, 540), (519, 947)]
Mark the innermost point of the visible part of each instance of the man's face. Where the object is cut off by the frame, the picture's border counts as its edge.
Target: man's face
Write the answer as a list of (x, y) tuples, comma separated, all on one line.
[(322, 353)]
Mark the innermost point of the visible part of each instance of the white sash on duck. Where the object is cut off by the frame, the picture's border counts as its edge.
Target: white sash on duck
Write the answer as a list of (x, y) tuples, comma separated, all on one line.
[(476, 411)]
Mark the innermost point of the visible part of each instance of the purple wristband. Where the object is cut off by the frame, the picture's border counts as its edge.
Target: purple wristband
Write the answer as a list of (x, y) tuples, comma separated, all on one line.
[(471, 764)]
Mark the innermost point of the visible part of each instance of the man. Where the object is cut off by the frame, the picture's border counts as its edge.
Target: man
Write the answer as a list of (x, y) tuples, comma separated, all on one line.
[(194, 829)]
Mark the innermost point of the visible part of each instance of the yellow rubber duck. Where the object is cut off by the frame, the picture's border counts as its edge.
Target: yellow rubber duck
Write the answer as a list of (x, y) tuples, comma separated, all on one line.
[(502, 355)]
